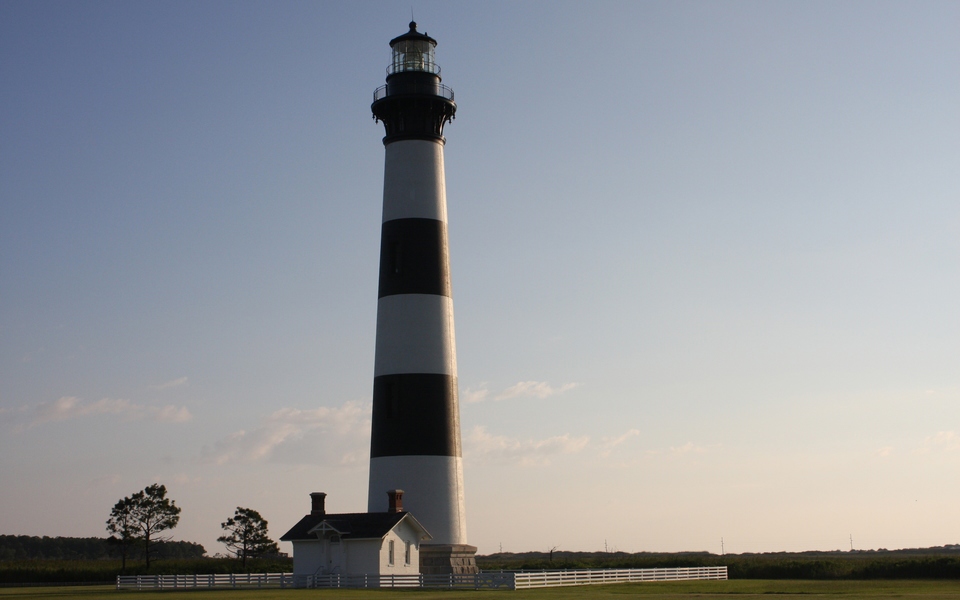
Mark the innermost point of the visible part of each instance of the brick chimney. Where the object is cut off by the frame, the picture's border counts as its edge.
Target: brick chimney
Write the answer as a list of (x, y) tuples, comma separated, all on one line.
[(316, 503), (396, 501)]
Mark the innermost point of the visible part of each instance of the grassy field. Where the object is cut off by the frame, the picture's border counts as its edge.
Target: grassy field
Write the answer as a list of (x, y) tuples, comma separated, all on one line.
[(679, 590)]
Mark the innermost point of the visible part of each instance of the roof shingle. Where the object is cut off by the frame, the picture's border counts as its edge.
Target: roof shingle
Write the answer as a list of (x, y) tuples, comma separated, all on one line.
[(350, 525)]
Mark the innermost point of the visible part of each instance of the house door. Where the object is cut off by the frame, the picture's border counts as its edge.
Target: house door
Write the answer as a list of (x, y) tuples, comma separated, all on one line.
[(335, 557)]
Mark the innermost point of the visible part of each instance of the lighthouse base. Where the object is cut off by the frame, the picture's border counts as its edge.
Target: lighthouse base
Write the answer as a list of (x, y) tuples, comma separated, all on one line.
[(444, 559)]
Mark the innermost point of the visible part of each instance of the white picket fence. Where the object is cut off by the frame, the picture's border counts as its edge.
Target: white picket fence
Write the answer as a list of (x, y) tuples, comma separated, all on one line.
[(221, 580), (503, 580), (484, 580), (538, 579)]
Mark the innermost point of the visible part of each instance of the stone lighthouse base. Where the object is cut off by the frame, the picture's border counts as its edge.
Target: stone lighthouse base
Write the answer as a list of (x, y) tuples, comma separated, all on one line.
[(444, 559)]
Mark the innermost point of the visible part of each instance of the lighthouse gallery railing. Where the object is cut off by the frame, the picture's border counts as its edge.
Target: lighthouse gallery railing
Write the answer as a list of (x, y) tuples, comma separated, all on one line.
[(432, 89)]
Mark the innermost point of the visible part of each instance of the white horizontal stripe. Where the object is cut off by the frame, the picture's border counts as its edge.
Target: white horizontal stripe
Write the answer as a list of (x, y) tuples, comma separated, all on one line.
[(432, 491), (413, 181), (415, 335)]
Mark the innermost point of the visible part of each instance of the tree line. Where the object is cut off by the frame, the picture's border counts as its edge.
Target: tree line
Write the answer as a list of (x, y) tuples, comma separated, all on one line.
[(27, 547), (138, 521)]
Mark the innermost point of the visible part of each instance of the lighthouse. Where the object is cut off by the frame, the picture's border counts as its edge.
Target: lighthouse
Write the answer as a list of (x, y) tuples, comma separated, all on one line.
[(415, 431)]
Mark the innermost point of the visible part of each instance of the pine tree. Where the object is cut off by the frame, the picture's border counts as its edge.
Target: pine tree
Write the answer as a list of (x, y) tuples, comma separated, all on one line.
[(122, 527), (247, 535), (141, 517)]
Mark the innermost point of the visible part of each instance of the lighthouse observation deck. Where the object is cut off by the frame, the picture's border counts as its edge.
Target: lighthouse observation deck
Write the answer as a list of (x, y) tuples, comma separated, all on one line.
[(416, 88)]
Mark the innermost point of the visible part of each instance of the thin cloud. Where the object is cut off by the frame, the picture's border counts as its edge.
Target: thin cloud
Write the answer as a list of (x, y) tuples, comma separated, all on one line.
[(608, 444), (172, 384), (533, 389), (472, 396), (483, 446), (687, 449), (172, 414), (69, 408), (328, 435), (884, 452), (941, 441), (522, 389)]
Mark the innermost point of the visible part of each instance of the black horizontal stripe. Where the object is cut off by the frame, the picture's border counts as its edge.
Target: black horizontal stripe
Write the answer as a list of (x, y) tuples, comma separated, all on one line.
[(415, 414), (413, 258)]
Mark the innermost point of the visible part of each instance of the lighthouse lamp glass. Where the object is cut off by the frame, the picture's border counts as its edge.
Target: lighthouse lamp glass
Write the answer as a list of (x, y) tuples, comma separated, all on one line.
[(413, 55)]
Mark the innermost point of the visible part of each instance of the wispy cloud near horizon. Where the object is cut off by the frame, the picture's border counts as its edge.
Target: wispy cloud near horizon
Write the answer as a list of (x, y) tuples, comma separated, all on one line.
[(607, 445), (483, 446), (533, 389), (68, 408), (521, 389), (296, 436), (941, 441), (687, 449), (474, 395), (172, 384)]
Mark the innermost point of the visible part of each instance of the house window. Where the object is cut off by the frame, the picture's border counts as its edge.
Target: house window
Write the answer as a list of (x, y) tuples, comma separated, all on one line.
[(390, 553), (406, 553)]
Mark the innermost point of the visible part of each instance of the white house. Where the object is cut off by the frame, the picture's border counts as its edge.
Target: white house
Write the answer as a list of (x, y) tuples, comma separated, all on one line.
[(356, 543)]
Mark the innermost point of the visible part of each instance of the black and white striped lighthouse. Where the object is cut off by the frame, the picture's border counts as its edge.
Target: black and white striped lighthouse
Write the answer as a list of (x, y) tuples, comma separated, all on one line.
[(415, 436)]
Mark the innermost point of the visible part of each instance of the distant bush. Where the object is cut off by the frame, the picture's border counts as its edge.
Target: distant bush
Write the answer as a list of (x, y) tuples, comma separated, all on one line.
[(27, 547), (88, 571), (926, 567)]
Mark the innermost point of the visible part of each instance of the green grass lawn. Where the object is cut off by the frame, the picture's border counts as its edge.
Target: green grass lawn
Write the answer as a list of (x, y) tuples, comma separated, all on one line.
[(750, 589)]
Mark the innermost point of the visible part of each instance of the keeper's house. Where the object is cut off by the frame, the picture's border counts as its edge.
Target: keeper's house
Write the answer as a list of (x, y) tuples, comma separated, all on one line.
[(356, 543)]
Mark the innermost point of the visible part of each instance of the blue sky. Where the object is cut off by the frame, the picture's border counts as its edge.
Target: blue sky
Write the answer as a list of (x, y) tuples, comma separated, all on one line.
[(705, 266)]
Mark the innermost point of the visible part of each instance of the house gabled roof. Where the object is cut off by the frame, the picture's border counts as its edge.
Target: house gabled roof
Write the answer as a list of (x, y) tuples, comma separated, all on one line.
[(351, 525)]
